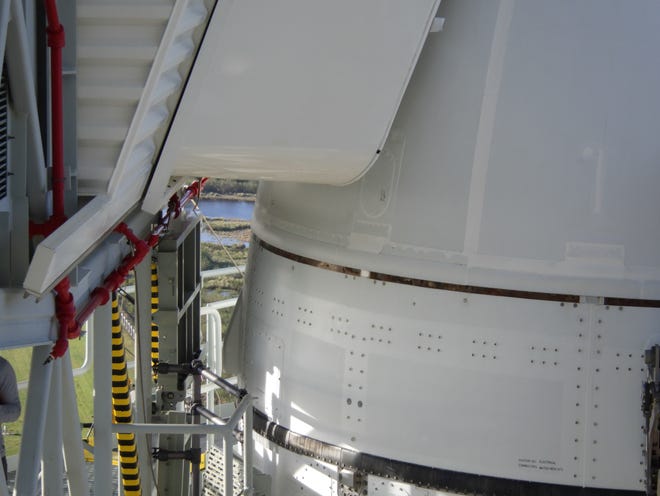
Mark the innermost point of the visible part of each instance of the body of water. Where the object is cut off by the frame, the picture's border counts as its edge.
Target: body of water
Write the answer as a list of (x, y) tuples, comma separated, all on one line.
[(207, 237), (227, 209)]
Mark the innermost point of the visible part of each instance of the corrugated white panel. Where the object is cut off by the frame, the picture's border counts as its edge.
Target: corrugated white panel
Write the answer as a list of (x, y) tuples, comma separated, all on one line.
[(117, 42)]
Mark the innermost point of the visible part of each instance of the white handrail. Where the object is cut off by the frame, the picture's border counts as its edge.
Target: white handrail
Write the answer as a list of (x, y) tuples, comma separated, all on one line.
[(225, 271), (213, 338)]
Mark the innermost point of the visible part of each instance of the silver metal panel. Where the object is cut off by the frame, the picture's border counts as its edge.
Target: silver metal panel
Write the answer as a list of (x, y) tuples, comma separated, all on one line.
[(25, 322)]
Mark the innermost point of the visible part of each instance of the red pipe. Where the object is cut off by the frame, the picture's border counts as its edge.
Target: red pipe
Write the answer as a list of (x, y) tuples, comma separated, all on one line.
[(56, 42), (65, 310), (101, 294)]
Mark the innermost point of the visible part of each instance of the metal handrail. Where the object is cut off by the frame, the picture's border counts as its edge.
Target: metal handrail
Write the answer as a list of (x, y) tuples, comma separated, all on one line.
[(225, 271)]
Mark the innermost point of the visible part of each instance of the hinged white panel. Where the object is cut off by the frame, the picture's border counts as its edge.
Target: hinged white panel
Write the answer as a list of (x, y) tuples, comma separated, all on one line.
[(294, 90)]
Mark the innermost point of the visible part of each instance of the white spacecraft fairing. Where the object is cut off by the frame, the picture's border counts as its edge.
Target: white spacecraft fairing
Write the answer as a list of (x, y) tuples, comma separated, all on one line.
[(454, 280), (472, 313)]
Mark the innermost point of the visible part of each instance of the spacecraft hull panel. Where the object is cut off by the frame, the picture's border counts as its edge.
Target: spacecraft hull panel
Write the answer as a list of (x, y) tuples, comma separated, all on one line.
[(450, 308), (520, 158), (506, 387)]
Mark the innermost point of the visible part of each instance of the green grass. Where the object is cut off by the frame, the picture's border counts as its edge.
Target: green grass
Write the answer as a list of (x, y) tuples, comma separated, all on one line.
[(21, 359), (215, 256), (230, 187), (224, 287), (229, 225), (221, 288)]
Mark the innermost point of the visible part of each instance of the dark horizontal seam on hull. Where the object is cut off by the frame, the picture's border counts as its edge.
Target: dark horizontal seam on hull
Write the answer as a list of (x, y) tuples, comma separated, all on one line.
[(424, 283), (419, 475)]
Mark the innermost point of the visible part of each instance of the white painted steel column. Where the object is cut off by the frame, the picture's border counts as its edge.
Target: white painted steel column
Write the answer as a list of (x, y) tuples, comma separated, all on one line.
[(103, 401), (36, 408), (143, 369), (52, 464), (228, 464), (248, 448), (210, 361), (74, 458), (21, 80)]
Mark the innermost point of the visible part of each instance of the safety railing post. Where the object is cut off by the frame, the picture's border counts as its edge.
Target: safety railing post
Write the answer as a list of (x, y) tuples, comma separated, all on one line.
[(195, 438)]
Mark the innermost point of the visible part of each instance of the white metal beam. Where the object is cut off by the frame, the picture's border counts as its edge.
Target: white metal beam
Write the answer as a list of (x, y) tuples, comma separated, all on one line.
[(74, 458), (36, 409), (24, 321), (52, 463)]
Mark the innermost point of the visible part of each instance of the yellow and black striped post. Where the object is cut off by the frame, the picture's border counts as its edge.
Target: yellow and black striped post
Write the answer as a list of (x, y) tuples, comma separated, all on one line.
[(121, 408), (154, 326)]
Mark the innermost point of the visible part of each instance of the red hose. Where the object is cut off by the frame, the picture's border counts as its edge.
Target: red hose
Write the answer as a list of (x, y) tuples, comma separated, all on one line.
[(56, 41), (65, 310)]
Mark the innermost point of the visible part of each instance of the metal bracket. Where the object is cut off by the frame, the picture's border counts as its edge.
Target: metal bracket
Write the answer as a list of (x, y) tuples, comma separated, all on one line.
[(352, 483), (193, 455)]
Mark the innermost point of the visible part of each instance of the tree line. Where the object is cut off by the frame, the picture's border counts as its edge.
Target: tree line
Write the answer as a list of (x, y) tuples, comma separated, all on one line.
[(230, 186)]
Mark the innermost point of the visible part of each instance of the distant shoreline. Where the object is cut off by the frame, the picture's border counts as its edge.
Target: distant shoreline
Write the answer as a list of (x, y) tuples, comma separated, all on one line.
[(245, 197)]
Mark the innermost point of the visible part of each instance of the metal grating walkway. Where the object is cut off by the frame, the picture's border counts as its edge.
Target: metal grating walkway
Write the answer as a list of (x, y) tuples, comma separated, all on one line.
[(214, 475)]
